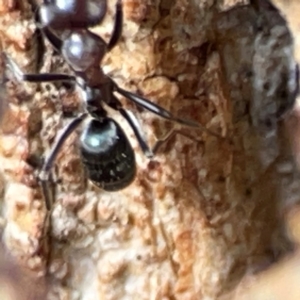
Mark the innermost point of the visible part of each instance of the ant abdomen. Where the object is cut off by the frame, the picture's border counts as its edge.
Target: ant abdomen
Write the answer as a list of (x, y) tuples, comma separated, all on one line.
[(107, 155)]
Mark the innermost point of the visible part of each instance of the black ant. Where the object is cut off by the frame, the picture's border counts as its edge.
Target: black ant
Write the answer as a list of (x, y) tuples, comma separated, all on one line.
[(105, 150)]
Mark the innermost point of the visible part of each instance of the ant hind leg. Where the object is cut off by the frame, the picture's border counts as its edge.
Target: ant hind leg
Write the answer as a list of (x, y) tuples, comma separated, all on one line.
[(134, 124), (47, 165), (171, 134)]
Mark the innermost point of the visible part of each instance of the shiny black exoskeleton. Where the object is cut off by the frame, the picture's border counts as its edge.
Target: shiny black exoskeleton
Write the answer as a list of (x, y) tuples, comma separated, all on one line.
[(107, 154), (105, 150)]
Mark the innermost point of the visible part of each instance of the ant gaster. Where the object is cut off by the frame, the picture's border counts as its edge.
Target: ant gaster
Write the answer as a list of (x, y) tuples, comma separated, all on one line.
[(105, 150)]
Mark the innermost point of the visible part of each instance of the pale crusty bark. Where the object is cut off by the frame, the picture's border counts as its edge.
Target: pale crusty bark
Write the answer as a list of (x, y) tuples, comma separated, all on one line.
[(197, 218), (281, 280)]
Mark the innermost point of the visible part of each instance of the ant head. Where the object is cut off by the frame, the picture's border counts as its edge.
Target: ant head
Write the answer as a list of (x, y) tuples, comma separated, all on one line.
[(71, 14), (82, 50)]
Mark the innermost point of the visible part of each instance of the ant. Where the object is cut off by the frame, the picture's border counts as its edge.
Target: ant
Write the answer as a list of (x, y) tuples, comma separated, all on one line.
[(106, 153)]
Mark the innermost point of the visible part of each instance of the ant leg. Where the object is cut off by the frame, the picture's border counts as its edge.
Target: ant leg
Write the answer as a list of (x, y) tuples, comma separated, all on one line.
[(53, 39), (117, 30), (47, 77), (168, 137), (158, 110), (162, 141), (154, 108), (47, 238), (134, 124), (45, 170)]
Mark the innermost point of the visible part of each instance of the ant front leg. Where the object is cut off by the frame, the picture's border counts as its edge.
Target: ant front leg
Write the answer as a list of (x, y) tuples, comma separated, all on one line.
[(37, 78)]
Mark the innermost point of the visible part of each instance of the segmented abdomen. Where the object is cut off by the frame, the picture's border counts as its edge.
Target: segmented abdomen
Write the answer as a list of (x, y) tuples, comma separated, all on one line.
[(107, 155)]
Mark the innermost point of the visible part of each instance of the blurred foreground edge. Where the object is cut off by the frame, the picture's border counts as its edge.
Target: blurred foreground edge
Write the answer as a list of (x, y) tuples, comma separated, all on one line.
[(16, 283), (279, 282)]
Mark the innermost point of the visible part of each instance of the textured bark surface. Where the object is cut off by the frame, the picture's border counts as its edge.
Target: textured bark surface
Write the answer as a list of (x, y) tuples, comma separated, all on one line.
[(281, 280), (201, 215)]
